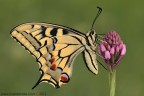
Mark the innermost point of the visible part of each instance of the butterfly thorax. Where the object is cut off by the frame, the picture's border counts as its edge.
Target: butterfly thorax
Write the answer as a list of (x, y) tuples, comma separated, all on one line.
[(91, 39)]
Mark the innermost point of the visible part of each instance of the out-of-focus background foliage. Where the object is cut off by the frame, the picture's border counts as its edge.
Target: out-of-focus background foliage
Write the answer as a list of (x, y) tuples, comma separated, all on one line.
[(19, 71)]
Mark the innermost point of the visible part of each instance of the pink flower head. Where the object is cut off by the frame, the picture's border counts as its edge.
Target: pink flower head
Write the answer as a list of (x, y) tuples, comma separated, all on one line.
[(112, 49)]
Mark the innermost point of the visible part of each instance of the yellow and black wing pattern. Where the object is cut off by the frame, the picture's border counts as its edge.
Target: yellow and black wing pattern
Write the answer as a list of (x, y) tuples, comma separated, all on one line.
[(54, 47)]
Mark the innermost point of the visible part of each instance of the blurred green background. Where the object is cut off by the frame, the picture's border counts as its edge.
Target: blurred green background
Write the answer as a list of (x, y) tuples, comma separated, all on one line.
[(19, 70)]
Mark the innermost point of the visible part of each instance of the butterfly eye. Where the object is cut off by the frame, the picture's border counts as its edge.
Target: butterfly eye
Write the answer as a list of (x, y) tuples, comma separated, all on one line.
[(92, 32)]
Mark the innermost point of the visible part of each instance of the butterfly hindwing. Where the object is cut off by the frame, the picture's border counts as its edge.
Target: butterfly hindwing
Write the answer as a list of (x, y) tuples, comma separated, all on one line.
[(91, 61), (54, 47)]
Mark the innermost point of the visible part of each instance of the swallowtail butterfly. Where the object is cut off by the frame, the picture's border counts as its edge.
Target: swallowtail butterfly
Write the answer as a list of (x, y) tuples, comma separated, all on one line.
[(55, 48)]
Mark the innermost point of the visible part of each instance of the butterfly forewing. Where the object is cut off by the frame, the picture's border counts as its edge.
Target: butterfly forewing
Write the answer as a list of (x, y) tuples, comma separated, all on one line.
[(54, 47)]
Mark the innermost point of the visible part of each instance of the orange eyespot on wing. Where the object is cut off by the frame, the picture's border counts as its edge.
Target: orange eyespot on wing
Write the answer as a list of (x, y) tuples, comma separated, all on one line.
[(64, 78), (53, 67)]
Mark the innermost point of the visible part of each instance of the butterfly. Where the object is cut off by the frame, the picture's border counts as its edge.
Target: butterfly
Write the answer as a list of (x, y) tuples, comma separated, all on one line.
[(55, 48)]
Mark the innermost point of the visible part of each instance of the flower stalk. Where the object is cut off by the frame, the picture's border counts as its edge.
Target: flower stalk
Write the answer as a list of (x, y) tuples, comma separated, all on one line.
[(112, 82)]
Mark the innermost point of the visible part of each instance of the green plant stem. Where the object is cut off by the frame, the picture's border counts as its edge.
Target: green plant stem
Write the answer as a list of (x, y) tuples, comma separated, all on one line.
[(112, 81)]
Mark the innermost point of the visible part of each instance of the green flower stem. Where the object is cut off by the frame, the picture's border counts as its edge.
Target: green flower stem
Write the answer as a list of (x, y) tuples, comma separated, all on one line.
[(112, 81)]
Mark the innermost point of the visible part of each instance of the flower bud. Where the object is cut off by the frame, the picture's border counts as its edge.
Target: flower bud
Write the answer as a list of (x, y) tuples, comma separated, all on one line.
[(112, 49), (102, 48), (107, 55), (123, 52)]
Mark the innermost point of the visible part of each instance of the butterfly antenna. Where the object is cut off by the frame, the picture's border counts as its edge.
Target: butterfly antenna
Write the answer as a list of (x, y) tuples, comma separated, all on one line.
[(97, 15)]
